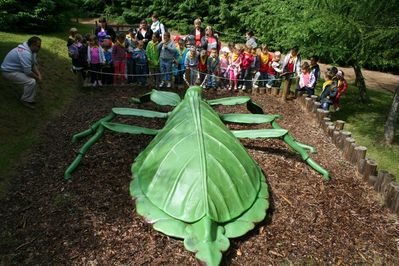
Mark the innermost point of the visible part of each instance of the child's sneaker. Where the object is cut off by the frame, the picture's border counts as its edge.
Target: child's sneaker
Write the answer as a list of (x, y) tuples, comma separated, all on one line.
[(95, 83), (162, 84), (268, 86), (169, 85), (243, 88), (100, 83)]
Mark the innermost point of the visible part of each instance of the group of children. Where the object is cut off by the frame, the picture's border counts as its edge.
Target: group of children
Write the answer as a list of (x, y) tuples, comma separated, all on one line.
[(234, 67)]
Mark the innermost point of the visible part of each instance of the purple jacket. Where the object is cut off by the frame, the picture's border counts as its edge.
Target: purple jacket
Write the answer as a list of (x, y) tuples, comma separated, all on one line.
[(118, 53)]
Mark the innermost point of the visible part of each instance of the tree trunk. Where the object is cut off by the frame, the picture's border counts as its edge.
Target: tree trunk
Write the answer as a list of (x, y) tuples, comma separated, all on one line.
[(389, 129), (360, 82)]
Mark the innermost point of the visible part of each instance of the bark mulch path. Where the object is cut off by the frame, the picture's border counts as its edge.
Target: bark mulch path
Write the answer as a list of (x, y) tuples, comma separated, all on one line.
[(91, 219)]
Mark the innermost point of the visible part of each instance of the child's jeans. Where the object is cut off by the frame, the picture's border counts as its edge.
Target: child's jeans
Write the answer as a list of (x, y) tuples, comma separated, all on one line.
[(246, 76), (271, 80), (224, 78), (309, 91), (154, 75), (119, 70), (179, 74), (211, 82), (192, 74), (96, 72), (263, 79), (166, 69), (141, 72), (131, 70), (107, 74)]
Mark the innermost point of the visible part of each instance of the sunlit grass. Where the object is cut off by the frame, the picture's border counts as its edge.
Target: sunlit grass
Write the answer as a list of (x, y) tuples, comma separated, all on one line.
[(20, 125)]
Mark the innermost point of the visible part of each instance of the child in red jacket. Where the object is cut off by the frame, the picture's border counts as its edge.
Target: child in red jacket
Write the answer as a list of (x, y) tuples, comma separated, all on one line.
[(247, 59)]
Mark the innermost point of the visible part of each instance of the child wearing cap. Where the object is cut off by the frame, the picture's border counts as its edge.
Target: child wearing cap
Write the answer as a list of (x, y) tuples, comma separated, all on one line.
[(191, 64), (330, 89), (342, 86)]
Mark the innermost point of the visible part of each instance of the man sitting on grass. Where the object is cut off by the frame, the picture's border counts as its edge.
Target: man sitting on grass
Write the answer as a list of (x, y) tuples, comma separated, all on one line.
[(20, 67)]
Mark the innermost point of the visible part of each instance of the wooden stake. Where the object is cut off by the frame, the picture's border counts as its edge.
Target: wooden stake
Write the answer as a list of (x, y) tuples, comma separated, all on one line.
[(370, 168), (372, 179), (327, 124), (308, 103), (341, 139), (262, 90), (347, 148), (339, 124), (275, 91), (316, 105), (391, 198), (330, 130), (358, 154), (335, 137)]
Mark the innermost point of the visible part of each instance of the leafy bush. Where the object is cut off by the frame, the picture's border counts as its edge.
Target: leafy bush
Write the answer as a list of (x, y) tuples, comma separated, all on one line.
[(35, 16)]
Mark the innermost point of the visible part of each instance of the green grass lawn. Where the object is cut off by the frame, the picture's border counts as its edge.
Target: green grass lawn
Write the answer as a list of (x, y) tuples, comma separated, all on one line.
[(366, 122), (20, 125)]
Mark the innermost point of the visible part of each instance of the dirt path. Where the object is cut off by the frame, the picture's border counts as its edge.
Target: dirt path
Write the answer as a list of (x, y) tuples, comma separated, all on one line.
[(91, 220)]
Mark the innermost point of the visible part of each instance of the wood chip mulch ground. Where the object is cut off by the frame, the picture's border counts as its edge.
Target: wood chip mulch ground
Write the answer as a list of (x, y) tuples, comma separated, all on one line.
[(91, 219)]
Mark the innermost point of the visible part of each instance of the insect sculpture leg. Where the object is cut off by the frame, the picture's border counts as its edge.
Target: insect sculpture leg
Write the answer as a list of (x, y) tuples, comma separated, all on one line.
[(276, 132), (98, 128), (251, 106), (159, 97)]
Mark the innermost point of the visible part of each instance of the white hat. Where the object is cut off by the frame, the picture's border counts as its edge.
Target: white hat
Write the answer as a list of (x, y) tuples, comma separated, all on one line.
[(225, 50)]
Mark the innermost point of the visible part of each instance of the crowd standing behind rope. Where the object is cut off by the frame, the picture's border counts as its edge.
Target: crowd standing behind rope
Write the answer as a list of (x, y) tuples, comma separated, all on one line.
[(149, 54)]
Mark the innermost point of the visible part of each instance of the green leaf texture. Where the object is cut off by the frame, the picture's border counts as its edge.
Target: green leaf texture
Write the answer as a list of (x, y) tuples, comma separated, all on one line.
[(195, 167)]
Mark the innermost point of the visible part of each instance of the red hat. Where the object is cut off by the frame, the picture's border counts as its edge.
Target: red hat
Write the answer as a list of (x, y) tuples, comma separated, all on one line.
[(177, 38)]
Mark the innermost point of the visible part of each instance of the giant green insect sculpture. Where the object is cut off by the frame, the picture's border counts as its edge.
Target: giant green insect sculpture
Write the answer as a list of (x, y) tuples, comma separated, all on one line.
[(195, 180)]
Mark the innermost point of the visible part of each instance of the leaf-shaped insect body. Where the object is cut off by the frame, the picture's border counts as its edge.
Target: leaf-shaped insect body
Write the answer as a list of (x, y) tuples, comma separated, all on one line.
[(195, 180), (196, 167)]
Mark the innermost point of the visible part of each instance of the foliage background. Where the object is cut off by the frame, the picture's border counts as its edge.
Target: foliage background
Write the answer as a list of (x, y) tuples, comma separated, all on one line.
[(363, 32)]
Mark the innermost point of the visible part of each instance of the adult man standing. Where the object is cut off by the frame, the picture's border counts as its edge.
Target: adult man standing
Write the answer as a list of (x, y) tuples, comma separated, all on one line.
[(20, 67)]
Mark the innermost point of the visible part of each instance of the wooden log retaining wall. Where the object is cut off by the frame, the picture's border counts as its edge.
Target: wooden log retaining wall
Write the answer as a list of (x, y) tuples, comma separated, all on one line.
[(366, 168)]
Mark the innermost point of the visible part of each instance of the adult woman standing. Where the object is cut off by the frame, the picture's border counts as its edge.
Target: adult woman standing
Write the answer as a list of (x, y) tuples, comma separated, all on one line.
[(144, 33), (104, 29), (210, 40)]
